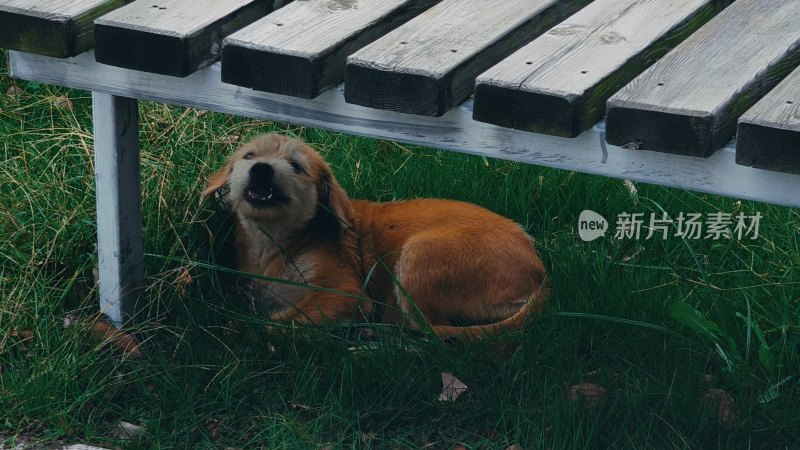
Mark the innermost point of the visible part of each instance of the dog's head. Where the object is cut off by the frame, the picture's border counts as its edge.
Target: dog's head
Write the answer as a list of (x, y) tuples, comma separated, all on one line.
[(278, 181)]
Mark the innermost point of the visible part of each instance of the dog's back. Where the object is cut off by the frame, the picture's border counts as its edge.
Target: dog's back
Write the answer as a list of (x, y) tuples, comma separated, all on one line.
[(457, 262)]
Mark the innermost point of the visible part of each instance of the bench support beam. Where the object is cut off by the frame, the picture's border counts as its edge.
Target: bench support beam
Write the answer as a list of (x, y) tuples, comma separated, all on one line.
[(456, 130), (117, 192)]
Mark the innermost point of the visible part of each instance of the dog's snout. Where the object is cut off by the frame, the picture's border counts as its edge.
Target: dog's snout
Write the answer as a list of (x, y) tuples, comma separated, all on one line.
[(262, 172)]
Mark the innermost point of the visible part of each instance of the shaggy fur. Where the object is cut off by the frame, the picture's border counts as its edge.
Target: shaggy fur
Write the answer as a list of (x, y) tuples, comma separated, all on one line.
[(460, 268)]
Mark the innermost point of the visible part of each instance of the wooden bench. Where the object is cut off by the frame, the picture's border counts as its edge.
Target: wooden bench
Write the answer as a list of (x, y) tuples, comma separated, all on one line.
[(642, 90)]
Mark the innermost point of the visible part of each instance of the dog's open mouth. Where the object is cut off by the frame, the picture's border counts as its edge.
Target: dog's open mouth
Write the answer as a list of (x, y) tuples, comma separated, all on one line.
[(264, 196)]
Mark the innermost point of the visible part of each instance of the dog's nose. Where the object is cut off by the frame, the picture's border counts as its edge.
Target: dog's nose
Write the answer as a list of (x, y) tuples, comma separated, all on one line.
[(261, 172)]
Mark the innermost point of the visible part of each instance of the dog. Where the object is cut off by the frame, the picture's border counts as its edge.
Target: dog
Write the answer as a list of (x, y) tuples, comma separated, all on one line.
[(449, 266)]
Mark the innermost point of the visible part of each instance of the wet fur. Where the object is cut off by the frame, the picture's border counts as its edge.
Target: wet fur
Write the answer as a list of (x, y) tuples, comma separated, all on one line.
[(456, 262)]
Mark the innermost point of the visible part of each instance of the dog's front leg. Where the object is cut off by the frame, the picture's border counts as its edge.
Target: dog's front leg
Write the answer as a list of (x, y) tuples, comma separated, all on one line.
[(325, 307)]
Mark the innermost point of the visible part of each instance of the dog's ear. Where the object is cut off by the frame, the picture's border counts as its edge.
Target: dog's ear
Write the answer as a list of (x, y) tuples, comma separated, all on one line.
[(218, 180), (334, 199)]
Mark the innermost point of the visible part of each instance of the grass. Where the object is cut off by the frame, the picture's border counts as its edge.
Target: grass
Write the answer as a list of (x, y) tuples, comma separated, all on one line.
[(657, 322)]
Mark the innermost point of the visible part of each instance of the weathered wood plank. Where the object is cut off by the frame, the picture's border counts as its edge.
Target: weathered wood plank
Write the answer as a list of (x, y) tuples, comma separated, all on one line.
[(429, 64), (559, 83), (172, 37), (769, 132), (456, 130), (59, 28), (301, 49), (119, 220), (688, 102)]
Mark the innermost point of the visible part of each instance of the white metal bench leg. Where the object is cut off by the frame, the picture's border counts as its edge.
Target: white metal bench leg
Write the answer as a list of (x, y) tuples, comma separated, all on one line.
[(119, 221)]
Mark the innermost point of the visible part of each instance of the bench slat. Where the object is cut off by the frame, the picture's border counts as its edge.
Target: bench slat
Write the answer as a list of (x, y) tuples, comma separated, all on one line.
[(688, 102), (769, 132), (559, 83), (301, 49), (59, 28), (172, 37), (429, 64)]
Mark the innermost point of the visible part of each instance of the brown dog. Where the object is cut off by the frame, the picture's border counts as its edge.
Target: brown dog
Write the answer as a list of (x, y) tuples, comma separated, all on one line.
[(454, 266)]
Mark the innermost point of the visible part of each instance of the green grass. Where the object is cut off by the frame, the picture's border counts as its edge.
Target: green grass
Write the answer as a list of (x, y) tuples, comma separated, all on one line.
[(623, 312)]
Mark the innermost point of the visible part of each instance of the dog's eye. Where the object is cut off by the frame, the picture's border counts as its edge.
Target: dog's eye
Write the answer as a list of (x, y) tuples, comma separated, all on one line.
[(249, 155), (296, 166)]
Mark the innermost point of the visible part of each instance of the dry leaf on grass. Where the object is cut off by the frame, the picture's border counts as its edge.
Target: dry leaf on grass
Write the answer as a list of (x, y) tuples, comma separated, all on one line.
[(459, 446), (22, 335), (720, 403), (63, 102), (183, 282), (104, 332), (129, 431), (70, 320), (452, 387), (15, 91), (514, 447), (590, 394)]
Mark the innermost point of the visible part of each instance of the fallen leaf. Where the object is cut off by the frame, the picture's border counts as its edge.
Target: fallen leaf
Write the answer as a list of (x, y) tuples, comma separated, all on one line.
[(104, 332), (452, 387), (23, 335), (63, 102), (15, 91), (459, 446), (129, 431), (183, 282), (590, 394), (71, 319), (514, 447), (721, 404)]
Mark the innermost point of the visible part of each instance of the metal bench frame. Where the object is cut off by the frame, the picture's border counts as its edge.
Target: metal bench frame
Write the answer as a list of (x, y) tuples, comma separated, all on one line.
[(115, 94)]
